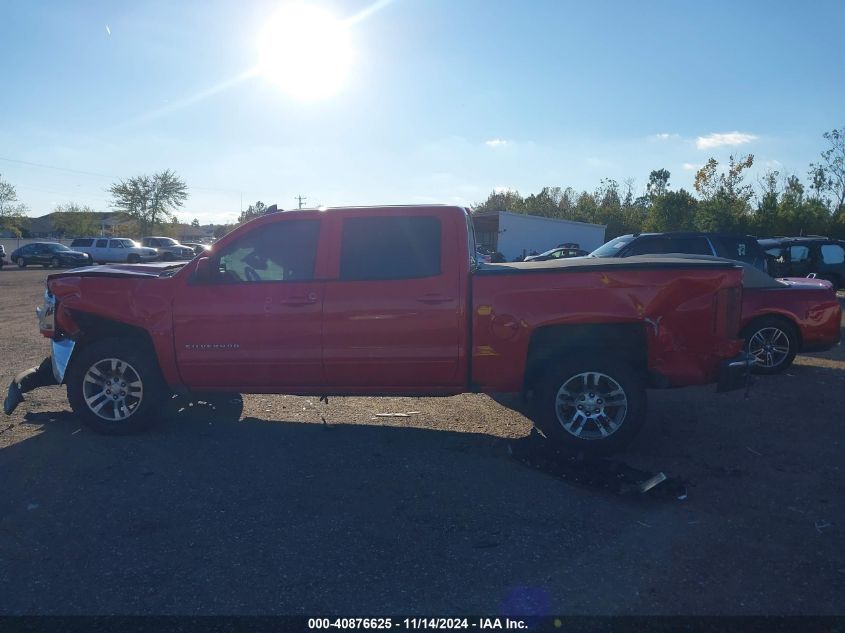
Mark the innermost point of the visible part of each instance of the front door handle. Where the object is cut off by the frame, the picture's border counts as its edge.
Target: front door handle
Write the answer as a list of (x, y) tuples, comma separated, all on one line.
[(300, 300), (433, 299)]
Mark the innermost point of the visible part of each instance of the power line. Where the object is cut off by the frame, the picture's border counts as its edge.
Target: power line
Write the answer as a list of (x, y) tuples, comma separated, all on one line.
[(301, 201), (98, 175)]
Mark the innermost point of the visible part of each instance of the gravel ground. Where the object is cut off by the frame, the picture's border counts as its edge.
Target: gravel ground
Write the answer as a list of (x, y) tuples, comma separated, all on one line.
[(279, 513)]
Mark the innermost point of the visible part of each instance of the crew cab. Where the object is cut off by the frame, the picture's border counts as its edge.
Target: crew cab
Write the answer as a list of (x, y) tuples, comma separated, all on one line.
[(104, 250), (392, 301)]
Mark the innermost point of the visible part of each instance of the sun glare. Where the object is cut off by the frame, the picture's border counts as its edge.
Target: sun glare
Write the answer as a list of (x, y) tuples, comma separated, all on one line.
[(306, 51)]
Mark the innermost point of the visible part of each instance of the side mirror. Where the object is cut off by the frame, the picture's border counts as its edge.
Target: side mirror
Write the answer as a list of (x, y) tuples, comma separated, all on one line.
[(204, 272)]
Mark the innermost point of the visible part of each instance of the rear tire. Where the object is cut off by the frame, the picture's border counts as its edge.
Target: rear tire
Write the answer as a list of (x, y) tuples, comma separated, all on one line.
[(772, 343), (115, 386), (168, 257), (591, 403)]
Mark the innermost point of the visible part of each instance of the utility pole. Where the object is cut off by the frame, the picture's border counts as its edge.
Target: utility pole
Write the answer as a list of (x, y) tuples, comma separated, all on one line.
[(301, 200)]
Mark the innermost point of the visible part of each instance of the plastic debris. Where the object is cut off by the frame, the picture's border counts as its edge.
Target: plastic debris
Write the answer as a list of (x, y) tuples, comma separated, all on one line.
[(751, 450), (822, 525)]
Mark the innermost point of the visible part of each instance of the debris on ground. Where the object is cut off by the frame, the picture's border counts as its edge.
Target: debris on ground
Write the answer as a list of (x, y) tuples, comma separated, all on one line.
[(595, 472)]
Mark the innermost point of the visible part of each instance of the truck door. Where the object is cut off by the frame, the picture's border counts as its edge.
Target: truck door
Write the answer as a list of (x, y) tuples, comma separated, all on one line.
[(391, 318), (100, 251), (255, 324)]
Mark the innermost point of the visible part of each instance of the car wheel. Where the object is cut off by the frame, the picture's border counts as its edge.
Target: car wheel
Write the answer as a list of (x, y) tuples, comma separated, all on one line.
[(115, 386), (772, 343), (591, 403), (21, 262), (90, 261), (133, 259), (55, 263)]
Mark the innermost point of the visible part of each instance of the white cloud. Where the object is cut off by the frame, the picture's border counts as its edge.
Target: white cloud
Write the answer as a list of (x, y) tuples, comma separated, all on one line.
[(718, 139), (496, 142), (665, 136), (691, 166)]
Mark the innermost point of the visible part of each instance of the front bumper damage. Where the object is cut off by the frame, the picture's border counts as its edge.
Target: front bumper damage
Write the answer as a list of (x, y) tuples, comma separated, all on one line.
[(52, 369)]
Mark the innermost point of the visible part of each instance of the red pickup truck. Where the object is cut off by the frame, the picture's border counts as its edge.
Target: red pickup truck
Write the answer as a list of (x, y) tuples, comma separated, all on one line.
[(392, 301)]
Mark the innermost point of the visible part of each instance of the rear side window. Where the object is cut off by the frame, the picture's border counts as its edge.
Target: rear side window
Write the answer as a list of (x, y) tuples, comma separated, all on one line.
[(833, 254), (102, 243), (82, 242), (390, 248)]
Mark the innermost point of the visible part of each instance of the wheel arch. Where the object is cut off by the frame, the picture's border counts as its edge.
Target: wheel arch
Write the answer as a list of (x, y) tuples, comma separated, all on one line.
[(550, 343), (785, 319), (93, 328)]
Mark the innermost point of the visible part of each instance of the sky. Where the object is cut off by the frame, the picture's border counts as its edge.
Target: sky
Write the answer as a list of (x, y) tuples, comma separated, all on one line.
[(441, 101)]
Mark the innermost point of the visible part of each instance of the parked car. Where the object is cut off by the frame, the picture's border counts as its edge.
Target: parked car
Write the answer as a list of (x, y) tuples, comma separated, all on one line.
[(168, 248), (49, 255), (782, 317), (561, 252), (198, 248), (104, 250), (2, 256), (743, 248), (378, 301), (802, 256)]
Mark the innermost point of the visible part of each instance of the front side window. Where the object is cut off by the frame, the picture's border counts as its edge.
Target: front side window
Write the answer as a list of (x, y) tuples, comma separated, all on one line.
[(798, 254), (117, 244), (283, 251), (833, 254), (390, 248), (690, 245)]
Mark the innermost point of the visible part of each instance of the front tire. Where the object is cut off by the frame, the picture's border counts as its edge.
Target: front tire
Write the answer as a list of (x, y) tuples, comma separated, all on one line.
[(591, 403), (133, 259), (772, 343), (115, 387), (21, 262), (55, 262)]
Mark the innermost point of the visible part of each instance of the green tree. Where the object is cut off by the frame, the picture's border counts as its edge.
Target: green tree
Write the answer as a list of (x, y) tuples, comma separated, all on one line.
[(672, 211), (253, 211), (150, 200), (75, 220), (829, 175), (195, 223), (725, 195), (658, 183), (503, 200)]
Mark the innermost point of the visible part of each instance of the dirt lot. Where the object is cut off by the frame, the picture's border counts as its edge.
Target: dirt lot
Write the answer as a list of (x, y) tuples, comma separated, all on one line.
[(278, 513)]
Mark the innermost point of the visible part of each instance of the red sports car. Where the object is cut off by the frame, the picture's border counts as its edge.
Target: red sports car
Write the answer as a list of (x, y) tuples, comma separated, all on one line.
[(781, 317)]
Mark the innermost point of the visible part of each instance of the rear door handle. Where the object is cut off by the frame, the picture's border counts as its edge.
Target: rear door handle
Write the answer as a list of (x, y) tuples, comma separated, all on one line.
[(433, 299), (300, 300)]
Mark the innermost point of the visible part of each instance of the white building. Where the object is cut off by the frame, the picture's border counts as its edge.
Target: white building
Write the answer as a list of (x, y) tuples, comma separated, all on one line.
[(515, 235)]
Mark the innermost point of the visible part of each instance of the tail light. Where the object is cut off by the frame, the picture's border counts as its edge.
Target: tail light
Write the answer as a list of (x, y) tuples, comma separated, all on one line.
[(727, 307)]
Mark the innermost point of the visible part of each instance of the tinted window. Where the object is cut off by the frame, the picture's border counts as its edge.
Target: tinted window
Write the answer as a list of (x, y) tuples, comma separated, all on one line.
[(284, 251), (799, 254), (833, 254), (742, 248), (390, 248), (82, 242), (649, 246), (691, 245), (117, 244), (102, 243), (56, 247)]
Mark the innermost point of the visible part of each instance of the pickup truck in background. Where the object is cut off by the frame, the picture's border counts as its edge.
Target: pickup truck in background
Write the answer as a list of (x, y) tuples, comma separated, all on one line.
[(168, 249), (392, 301), (103, 250)]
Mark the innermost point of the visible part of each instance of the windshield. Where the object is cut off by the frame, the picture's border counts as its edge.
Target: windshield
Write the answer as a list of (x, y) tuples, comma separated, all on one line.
[(612, 248)]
